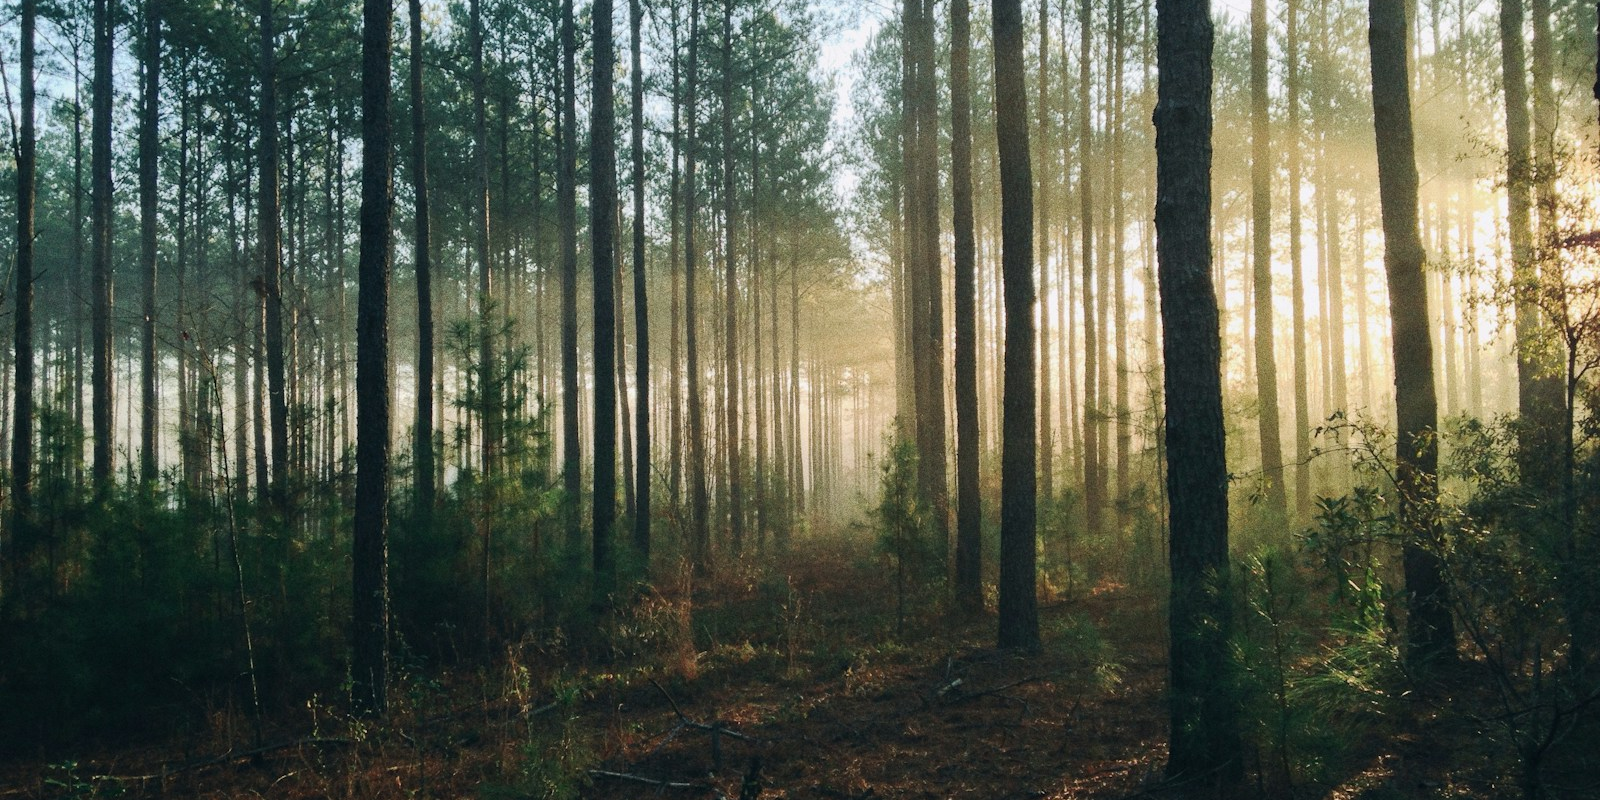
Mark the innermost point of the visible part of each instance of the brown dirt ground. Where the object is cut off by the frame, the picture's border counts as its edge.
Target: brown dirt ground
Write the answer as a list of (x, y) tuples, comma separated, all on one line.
[(814, 705)]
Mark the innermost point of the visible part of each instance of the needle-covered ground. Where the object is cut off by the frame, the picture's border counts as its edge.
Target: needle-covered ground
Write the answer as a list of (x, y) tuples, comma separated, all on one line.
[(798, 680)]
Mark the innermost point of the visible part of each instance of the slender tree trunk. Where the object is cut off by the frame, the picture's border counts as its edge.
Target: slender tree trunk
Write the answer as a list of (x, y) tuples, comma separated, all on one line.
[(422, 241), (149, 151), (699, 502), (602, 242), (1261, 216), (1093, 491), (625, 417), (1535, 405), (369, 669), (641, 308), (969, 510), (100, 212), (567, 211), (271, 261), (730, 330), (22, 436), (675, 204), (1019, 615), (1302, 404), (1119, 260), (1205, 744), (489, 377), (1430, 633), (1043, 157)]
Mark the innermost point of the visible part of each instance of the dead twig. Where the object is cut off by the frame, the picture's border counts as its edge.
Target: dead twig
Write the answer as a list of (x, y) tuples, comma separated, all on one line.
[(664, 784)]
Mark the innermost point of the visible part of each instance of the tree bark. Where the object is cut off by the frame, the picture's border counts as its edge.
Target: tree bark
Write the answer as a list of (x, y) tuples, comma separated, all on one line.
[(1430, 632), (969, 509), (423, 484), (370, 557), (641, 308), (699, 502), (1261, 257), (1093, 489), (567, 212), (732, 374), (149, 151), (602, 243), (1019, 614), (22, 435), (272, 262), (100, 212), (1302, 403), (1205, 742)]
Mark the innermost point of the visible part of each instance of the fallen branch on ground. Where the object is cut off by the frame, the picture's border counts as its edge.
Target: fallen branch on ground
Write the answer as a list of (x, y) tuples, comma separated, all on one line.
[(623, 776)]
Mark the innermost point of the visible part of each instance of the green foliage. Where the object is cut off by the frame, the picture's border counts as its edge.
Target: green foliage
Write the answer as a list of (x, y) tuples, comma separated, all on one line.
[(905, 532)]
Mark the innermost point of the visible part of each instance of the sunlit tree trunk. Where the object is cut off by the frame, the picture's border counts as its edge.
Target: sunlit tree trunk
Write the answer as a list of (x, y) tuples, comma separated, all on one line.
[(1430, 632), (1119, 262), (1261, 257), (1093, 490), (1302, 400), (1532, 375)]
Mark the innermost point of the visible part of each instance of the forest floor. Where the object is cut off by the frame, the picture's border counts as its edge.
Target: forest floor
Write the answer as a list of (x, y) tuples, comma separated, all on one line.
[(796, 685)]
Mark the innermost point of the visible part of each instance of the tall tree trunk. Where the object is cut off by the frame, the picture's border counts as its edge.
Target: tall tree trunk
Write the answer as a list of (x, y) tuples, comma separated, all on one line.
[(369, 669), (78, 349), (1302, 403), (969, 510), (675, 211), (1019, 614), (1044, 157), (730, 330), (641, 308), (1093, 490), (149, 151), (699, 502), (1205, 742), (1119, 262), (100, 213), (1261, 257), (567, 211), (22, 436), (489, 377), (1519, 204), (620, 347), (272, 261), (1430, 633), (422, 241), (602, 242)]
